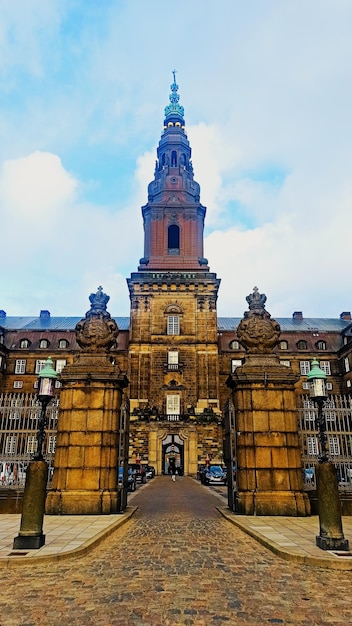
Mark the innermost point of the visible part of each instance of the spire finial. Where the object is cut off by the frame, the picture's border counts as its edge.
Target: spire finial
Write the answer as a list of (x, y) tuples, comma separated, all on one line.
[(174, 108)]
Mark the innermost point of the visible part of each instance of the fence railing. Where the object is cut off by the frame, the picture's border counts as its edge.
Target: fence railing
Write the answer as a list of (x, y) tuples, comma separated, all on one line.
[(19, 415)]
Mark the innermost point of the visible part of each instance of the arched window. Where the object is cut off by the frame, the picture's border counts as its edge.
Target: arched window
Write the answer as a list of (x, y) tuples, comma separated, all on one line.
[(234, 345), (321, 345), (173, 158), (173, 239), (302, 344)]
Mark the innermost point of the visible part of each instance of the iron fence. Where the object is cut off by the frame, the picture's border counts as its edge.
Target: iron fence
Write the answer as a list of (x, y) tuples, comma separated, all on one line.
[(337, 412), (19, 415)]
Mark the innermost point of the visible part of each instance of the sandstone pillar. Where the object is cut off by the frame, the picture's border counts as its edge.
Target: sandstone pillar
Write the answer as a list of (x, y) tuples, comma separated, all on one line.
[(269, 466), (86, 458)]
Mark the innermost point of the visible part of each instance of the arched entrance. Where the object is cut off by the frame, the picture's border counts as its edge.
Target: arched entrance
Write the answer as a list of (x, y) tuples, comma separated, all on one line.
[(172, 452)]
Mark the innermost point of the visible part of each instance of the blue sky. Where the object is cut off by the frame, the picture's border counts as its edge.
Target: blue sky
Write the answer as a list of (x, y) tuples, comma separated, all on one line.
[(267, 91)]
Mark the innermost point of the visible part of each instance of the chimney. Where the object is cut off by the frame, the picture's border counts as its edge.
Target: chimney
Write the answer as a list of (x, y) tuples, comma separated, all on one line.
[(44, 315), (2, 314), (346, 315), (298, 315)]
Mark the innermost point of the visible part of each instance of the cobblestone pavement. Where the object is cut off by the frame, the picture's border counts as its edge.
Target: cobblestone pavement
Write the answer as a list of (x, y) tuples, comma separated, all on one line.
[(177, 562)]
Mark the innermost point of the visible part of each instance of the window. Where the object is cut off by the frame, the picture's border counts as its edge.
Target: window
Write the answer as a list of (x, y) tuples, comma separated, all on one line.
[(60, 364), (321, 345), (39, 365), (334, 446), (10, 444), (305, 385), (312, 446), (172, 404), (173, 239), (235, 363), (304, 367), (234, 345), (325, 366), (57, 384), (309, 412), (283, 345), (18, 384), (24, 343), (347, 364), (20, 366), (63, 343), (44, 343), (172, 360), (301, 344), (31, 444), (286, 363), (173, 325), (51, 444)]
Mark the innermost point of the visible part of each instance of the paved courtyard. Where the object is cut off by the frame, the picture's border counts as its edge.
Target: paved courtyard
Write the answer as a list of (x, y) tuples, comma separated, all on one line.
[(176, 562)]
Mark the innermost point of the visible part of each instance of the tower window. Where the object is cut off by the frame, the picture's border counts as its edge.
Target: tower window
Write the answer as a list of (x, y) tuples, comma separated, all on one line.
[(173, 325), (173, 158), (172, 360), (173, 238)]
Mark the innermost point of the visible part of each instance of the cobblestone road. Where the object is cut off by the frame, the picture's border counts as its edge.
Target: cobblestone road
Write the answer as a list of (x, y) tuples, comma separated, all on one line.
[(177, 562)]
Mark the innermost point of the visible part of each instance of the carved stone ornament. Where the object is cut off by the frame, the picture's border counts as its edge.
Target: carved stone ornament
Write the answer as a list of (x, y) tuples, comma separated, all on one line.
[(97, 332), (257, 331)]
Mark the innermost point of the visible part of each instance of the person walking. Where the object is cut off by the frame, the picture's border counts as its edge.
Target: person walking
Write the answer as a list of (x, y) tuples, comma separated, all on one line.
[(172, 469)]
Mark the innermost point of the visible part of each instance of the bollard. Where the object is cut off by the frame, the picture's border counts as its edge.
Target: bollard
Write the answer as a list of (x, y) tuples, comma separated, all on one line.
[(331, 535), (31, 535)]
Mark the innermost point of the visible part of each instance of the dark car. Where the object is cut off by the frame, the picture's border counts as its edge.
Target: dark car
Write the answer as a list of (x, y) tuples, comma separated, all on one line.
[(214, 475), (131, 480), (149, 470), (139, 472)]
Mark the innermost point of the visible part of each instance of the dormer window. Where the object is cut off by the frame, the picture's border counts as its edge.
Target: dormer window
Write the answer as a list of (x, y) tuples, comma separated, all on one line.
[(43, 344), (234, 345), (321, 345), (63, 344), (302, 344), (283, 345), (24, 343)]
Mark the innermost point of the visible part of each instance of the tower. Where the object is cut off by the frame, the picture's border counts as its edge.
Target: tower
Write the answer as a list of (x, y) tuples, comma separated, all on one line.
[(173, 331)]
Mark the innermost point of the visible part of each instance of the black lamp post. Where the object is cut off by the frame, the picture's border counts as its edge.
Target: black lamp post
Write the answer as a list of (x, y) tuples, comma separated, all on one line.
[(331, 535), (31, 535), (46, 391)]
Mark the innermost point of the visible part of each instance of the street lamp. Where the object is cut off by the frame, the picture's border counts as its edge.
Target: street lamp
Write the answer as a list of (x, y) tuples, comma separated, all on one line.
[(46, 391), (331, 535), (31, 535)]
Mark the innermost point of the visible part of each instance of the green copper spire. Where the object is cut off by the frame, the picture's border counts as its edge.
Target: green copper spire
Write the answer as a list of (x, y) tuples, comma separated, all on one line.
[(174, 109)]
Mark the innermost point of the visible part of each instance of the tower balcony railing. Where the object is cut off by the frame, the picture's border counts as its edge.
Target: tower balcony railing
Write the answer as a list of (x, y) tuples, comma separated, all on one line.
[(173, 367)]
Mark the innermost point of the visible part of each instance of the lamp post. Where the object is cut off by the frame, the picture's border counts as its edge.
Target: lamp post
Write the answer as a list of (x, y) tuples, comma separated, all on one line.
[(31, 535), (331, 535)]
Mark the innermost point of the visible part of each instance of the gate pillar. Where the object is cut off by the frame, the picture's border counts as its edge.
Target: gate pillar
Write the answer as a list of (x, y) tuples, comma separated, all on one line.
[(269, 465), (85, 466)]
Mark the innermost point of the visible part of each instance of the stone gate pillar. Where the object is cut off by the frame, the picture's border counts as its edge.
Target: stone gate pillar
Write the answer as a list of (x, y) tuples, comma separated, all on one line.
[(85, 466), (269, 465)]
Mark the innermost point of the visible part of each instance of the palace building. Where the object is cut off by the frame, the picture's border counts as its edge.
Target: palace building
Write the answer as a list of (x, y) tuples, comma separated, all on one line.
[(175, 351)]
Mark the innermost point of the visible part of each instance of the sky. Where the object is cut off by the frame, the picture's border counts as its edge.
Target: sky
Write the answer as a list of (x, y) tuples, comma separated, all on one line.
[(267, 91)]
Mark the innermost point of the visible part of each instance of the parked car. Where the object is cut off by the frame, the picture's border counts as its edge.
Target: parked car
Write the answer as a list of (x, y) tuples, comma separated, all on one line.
[(149, 470), (131, 479), (214, 475), (139, 472)]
